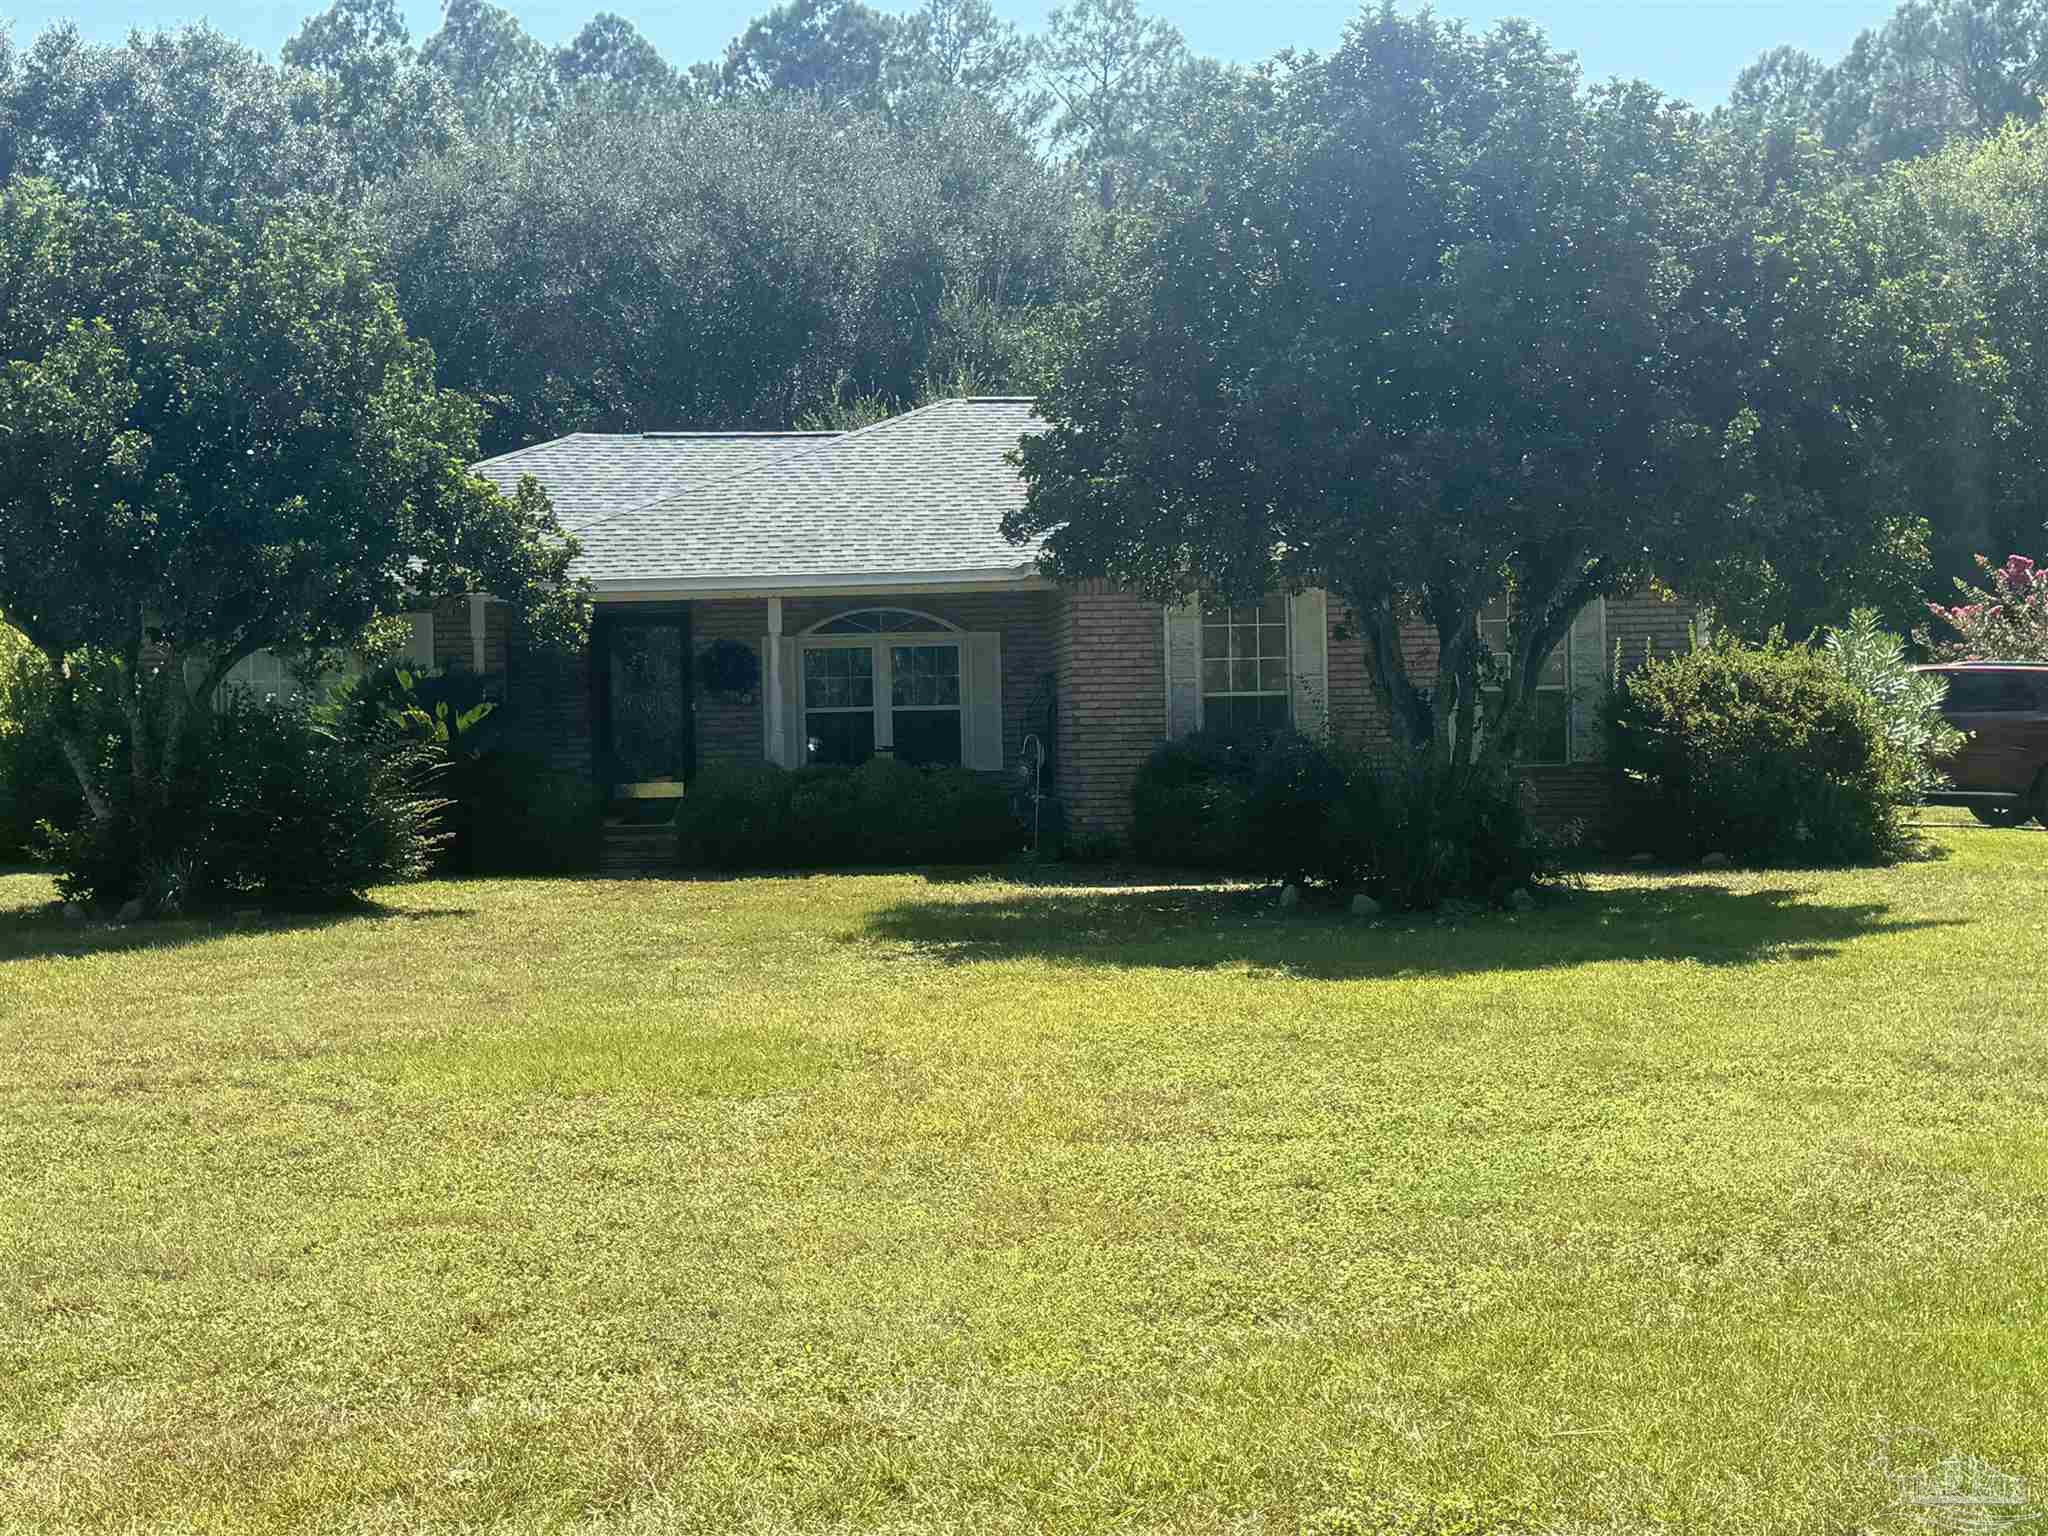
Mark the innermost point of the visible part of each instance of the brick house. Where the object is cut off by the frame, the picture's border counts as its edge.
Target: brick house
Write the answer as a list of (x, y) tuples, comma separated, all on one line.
[(865, 575)]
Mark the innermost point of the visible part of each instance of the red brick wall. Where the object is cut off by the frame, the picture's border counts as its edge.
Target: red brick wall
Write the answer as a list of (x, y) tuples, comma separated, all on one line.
[(730, 731), (1109, 652), (550, 702)]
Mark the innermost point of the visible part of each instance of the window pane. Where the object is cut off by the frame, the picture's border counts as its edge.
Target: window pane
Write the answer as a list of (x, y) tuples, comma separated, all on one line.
[(1244, 676), (1243, 641), (839, 677), (1259, 714), (1215, 677), (925, 674), (1988, 692), (847, 738), (1272, 639), (1553, 673), (928, 738), (1273, 676), (1215, 639)]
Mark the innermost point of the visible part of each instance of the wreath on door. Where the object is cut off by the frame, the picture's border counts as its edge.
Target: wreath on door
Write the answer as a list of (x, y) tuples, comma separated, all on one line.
[(729, 669)]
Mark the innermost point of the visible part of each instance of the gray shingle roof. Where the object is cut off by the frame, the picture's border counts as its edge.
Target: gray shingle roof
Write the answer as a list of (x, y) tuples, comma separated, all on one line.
[(592, 475), (921, 494)]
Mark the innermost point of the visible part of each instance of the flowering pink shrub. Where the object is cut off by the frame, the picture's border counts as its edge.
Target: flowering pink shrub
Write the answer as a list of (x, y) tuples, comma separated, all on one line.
[(2004, 621)]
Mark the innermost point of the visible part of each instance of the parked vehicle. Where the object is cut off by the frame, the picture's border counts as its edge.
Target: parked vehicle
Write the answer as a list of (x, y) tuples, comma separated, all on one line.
[(2001, 774)]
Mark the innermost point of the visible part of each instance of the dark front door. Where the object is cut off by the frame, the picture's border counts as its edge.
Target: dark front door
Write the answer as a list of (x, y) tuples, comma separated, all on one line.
[(644, 721)]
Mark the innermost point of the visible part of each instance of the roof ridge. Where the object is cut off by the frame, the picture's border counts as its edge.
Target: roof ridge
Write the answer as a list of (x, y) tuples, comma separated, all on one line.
[(791, 432)]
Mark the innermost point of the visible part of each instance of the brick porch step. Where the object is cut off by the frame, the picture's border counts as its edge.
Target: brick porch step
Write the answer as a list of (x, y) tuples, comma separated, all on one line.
[(637, 849)]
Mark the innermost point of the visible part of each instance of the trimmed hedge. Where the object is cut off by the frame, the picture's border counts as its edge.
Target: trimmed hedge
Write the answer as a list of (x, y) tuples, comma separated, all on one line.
[(1767, 754), (883, 812), (1288, 808)]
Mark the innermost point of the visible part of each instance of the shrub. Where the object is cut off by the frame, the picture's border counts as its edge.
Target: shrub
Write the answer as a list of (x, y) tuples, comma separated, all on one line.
[(1873, 660), (1767, 754), (36, 784), (883, 812), (1284, 807), (1234, 804), (1415, 835), (272, 807), (524, 818), (507, 811)]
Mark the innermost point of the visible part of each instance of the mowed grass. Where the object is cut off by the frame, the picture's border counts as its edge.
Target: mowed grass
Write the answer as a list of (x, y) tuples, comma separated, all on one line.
[(894, 1203)]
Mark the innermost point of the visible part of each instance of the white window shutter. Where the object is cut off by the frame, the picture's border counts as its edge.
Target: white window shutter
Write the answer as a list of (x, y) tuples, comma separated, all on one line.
[(1184, 668), (981, 700), (795, 740), (1587, 679), (1308, 615), (419, 649)]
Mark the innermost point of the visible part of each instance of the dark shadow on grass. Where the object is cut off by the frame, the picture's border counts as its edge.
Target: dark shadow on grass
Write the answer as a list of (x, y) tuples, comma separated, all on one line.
[(42, 932), (1200, 928)]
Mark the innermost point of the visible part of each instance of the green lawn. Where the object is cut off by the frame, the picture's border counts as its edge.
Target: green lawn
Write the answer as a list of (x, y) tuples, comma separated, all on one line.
[(884, 1203)]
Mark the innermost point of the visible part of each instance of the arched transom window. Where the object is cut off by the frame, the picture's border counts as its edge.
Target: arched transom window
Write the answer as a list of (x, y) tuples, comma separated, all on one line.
[(883, 621)]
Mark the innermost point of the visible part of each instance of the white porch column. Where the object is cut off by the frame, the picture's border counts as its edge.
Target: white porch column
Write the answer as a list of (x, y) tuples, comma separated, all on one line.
[(476, 631), (771, 699)]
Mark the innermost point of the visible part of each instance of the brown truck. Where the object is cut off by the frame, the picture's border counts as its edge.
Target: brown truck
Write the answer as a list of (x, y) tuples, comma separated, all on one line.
[(2001, 774)]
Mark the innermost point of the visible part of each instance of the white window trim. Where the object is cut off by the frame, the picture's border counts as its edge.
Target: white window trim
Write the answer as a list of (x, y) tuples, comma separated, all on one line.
[(1564, 650), (1284, 691), (884, 670)]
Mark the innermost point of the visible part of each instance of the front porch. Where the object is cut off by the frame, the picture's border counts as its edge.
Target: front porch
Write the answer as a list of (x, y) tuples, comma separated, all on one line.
[(943, 677)]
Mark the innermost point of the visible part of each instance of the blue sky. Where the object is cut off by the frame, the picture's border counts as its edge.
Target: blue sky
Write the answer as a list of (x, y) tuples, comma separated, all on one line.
[(1690, 49)]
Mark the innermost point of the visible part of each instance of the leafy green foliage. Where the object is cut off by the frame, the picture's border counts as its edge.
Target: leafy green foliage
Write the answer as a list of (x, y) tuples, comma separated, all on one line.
[(36, 784), (1873, 659), (832, 51), (1936, 72), (270, 807), (727, 267), (214, 442), (1427, 324), (882, 812), (1397, 824), (1242, 805), (1768, 754), (506, 811), (1116, 77)]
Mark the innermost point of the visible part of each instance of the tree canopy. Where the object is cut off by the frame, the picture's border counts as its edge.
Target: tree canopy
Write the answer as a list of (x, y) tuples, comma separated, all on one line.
[(1430, 324), (215, 442)]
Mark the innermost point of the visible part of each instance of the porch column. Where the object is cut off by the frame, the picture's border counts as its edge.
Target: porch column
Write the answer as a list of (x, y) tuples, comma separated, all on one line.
[(771, 702)]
